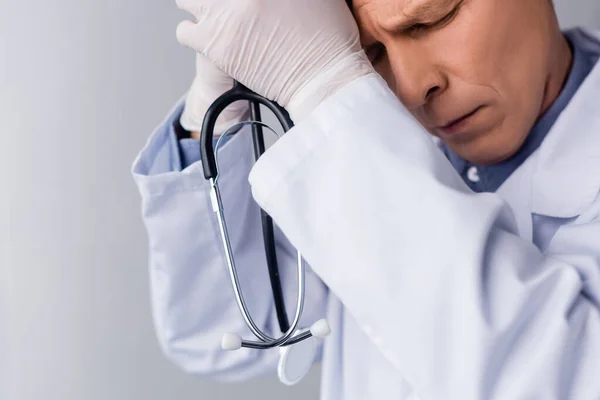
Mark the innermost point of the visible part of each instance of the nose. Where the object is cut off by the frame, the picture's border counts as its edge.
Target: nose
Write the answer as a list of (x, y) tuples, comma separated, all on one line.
[(417, 75)]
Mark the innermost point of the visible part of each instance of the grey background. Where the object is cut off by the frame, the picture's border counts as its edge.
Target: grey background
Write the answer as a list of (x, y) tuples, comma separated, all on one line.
[(77, 102)]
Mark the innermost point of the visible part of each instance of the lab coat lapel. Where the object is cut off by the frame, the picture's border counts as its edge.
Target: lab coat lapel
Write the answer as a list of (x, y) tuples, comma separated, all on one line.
[(562, 178), (566, 179), (516, 191)]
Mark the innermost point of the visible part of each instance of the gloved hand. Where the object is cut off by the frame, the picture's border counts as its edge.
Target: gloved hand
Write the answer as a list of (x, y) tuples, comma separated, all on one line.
[(296, 52), (209, 84)]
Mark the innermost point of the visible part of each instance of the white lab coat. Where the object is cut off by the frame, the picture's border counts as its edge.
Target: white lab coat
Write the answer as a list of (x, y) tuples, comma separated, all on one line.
[(432, 291)]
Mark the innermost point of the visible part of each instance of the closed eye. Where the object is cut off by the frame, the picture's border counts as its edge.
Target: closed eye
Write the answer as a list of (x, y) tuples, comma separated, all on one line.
[(421, 28), (376, 52)]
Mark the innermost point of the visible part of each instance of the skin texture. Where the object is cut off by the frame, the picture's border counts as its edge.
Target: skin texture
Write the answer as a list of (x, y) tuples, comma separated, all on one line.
[(444, 59)]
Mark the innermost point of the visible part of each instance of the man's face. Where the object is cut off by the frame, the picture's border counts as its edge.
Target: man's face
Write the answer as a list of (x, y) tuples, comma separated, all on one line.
[(475, 73)]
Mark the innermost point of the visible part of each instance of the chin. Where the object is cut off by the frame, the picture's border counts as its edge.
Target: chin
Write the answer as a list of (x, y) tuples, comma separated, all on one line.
[(488, 149)]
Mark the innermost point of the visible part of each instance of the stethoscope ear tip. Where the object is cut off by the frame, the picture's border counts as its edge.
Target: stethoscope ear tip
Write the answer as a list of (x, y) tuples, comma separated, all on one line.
[(320, 329), (231, 342)]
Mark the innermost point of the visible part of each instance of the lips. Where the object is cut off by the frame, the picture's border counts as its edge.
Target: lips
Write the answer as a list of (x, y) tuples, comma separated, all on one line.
[(454, 126)]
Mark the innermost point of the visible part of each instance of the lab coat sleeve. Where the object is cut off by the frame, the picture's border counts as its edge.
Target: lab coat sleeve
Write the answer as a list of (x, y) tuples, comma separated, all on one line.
[(193, 303), (436, 275)]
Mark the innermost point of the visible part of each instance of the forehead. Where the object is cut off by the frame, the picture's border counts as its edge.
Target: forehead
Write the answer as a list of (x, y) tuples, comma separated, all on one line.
[(389, 14), (397, 7), (365, 7)]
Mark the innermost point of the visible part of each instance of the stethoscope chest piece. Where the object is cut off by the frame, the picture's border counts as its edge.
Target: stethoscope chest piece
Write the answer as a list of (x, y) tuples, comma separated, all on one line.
[(296, 361)]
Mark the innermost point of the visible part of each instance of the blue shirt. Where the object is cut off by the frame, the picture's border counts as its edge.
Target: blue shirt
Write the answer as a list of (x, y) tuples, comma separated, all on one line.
[(489, 178)]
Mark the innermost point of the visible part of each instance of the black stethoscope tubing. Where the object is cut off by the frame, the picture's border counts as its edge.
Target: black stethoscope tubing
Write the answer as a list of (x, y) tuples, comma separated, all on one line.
[(209, 164)]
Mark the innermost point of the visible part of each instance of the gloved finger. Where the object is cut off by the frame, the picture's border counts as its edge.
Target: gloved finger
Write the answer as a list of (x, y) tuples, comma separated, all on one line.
[(190, 6), (187, 35)]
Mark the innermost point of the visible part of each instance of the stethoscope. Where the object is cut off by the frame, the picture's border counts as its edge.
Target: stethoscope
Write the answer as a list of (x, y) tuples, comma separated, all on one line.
[(295, 361)]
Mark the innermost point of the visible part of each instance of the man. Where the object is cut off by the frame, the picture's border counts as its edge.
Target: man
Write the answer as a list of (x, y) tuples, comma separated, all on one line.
[(476, 278)]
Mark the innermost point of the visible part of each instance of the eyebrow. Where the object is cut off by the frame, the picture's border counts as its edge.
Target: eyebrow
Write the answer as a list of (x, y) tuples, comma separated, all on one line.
[(418, 12)]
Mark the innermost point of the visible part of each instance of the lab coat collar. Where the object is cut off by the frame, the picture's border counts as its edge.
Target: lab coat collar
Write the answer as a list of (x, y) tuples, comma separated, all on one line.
[(566, 178), (562, 177)]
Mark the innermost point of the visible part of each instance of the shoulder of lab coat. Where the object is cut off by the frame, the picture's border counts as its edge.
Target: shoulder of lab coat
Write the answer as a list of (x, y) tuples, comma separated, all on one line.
[(158, 154), (158, 167), (437, 276)]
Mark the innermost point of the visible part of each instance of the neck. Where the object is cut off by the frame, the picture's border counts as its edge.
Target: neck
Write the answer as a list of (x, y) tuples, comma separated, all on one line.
[(560, 67)]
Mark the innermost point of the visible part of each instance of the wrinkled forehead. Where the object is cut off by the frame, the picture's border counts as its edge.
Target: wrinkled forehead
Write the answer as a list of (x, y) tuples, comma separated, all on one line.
[(395, 14), (407, 7), (357, 4)]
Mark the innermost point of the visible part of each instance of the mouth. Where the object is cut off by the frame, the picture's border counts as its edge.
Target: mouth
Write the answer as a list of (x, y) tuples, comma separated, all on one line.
[(458, 124)]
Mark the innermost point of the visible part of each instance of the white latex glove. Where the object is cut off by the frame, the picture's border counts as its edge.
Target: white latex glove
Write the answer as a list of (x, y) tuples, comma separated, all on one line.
[(209, 84), (296, 52)]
